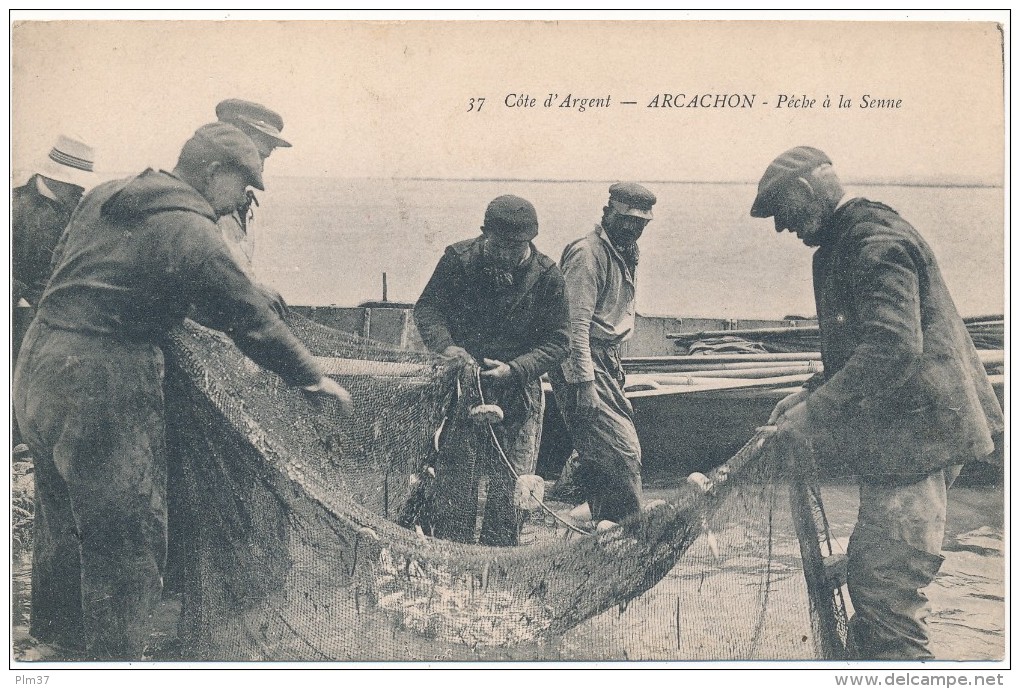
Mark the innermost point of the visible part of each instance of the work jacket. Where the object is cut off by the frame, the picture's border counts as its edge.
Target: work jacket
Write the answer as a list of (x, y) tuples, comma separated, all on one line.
[(903, 391), (524, 325), (139, 252), (37, 221)]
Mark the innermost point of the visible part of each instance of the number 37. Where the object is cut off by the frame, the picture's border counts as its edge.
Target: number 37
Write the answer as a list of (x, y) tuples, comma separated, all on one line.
[(475, 104)]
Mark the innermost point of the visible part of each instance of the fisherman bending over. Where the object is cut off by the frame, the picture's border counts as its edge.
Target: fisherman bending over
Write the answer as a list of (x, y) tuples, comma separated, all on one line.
[(498, 301), (88, 389), (904, 400)]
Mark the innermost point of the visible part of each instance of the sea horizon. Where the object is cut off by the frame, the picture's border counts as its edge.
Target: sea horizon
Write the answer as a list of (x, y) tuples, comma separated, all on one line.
[(325, 241), (917, 181)]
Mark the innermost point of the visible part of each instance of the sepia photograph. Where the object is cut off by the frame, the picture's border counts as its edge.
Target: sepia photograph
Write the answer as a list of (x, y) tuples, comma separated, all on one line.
[(496, 340)]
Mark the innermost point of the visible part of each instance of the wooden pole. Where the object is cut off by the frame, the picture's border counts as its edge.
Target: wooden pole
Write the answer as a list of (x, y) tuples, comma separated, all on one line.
[(989, 357), (676, 383), (983, 319), (746, 373), (725, 366), (824, 626), (764, 358), (974, 322), (992, 357), (759, 332)]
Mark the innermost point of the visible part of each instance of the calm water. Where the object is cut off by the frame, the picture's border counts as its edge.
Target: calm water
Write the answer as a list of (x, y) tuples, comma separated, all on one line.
[(328, 241)]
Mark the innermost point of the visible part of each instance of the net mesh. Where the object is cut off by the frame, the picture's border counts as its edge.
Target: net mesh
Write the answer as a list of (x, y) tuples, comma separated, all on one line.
[(286, 546)]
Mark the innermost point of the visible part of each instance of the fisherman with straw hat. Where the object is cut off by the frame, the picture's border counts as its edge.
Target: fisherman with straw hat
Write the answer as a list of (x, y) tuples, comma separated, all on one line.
[(41, 209)]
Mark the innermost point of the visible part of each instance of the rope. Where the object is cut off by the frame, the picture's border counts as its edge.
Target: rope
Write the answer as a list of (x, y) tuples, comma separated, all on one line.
[(510, 466)]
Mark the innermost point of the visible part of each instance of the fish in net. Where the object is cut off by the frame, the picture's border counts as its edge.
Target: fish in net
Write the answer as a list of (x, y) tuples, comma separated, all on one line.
[(285, 541)]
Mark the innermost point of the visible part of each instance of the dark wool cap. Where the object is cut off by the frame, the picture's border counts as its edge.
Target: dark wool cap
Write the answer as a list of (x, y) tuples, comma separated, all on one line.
[(639, 201), (792, 164), (227, 144), (511, 217), (248, 115)]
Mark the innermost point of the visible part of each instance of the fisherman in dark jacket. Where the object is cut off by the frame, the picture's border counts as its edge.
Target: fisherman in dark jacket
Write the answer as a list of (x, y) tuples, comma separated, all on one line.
[(903, 400), (40, 210), (88, 389), (497, 301)]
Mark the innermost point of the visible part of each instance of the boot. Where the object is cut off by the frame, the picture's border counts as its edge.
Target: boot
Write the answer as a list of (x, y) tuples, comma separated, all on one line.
[(885, 577)]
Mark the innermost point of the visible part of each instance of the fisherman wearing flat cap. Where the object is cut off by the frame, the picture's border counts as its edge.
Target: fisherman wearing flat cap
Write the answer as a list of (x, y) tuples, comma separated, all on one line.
[(264, 127), (600, 270), (496, 302), (903, 401), (88, 388)]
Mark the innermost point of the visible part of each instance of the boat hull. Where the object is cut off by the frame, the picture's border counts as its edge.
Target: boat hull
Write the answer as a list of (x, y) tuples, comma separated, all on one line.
[(681, 432)]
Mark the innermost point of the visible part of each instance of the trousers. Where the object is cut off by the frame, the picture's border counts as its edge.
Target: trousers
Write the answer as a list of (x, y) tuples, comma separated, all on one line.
[(609, 452), (91, 410), (894, 553), (469, 456)]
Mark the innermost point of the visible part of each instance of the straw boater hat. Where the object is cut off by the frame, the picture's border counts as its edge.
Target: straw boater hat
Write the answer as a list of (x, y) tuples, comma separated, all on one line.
[(70, 161)]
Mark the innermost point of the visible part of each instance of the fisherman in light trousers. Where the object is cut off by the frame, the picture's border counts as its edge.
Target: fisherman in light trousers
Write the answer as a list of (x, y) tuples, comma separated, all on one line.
[(264, 127), (903, 400), (600, 270)]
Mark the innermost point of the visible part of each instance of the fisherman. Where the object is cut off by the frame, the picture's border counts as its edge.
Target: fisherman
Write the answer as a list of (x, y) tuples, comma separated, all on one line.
[(88, 389), (263, 126), (600, 270), (903, 400), (40, 210), (497, 302)]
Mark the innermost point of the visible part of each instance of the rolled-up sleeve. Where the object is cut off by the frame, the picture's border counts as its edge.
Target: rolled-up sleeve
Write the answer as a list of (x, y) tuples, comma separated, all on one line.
[(581, 275)]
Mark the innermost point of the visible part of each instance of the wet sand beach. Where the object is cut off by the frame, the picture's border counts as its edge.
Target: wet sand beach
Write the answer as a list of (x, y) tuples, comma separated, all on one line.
[(710, 607)]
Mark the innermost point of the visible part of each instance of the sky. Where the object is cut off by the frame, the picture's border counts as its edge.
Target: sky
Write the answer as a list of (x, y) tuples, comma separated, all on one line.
[(391, 99)]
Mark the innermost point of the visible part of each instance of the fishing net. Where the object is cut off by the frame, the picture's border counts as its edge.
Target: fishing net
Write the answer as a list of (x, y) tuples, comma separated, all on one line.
[(286, 545), (755, 585)]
